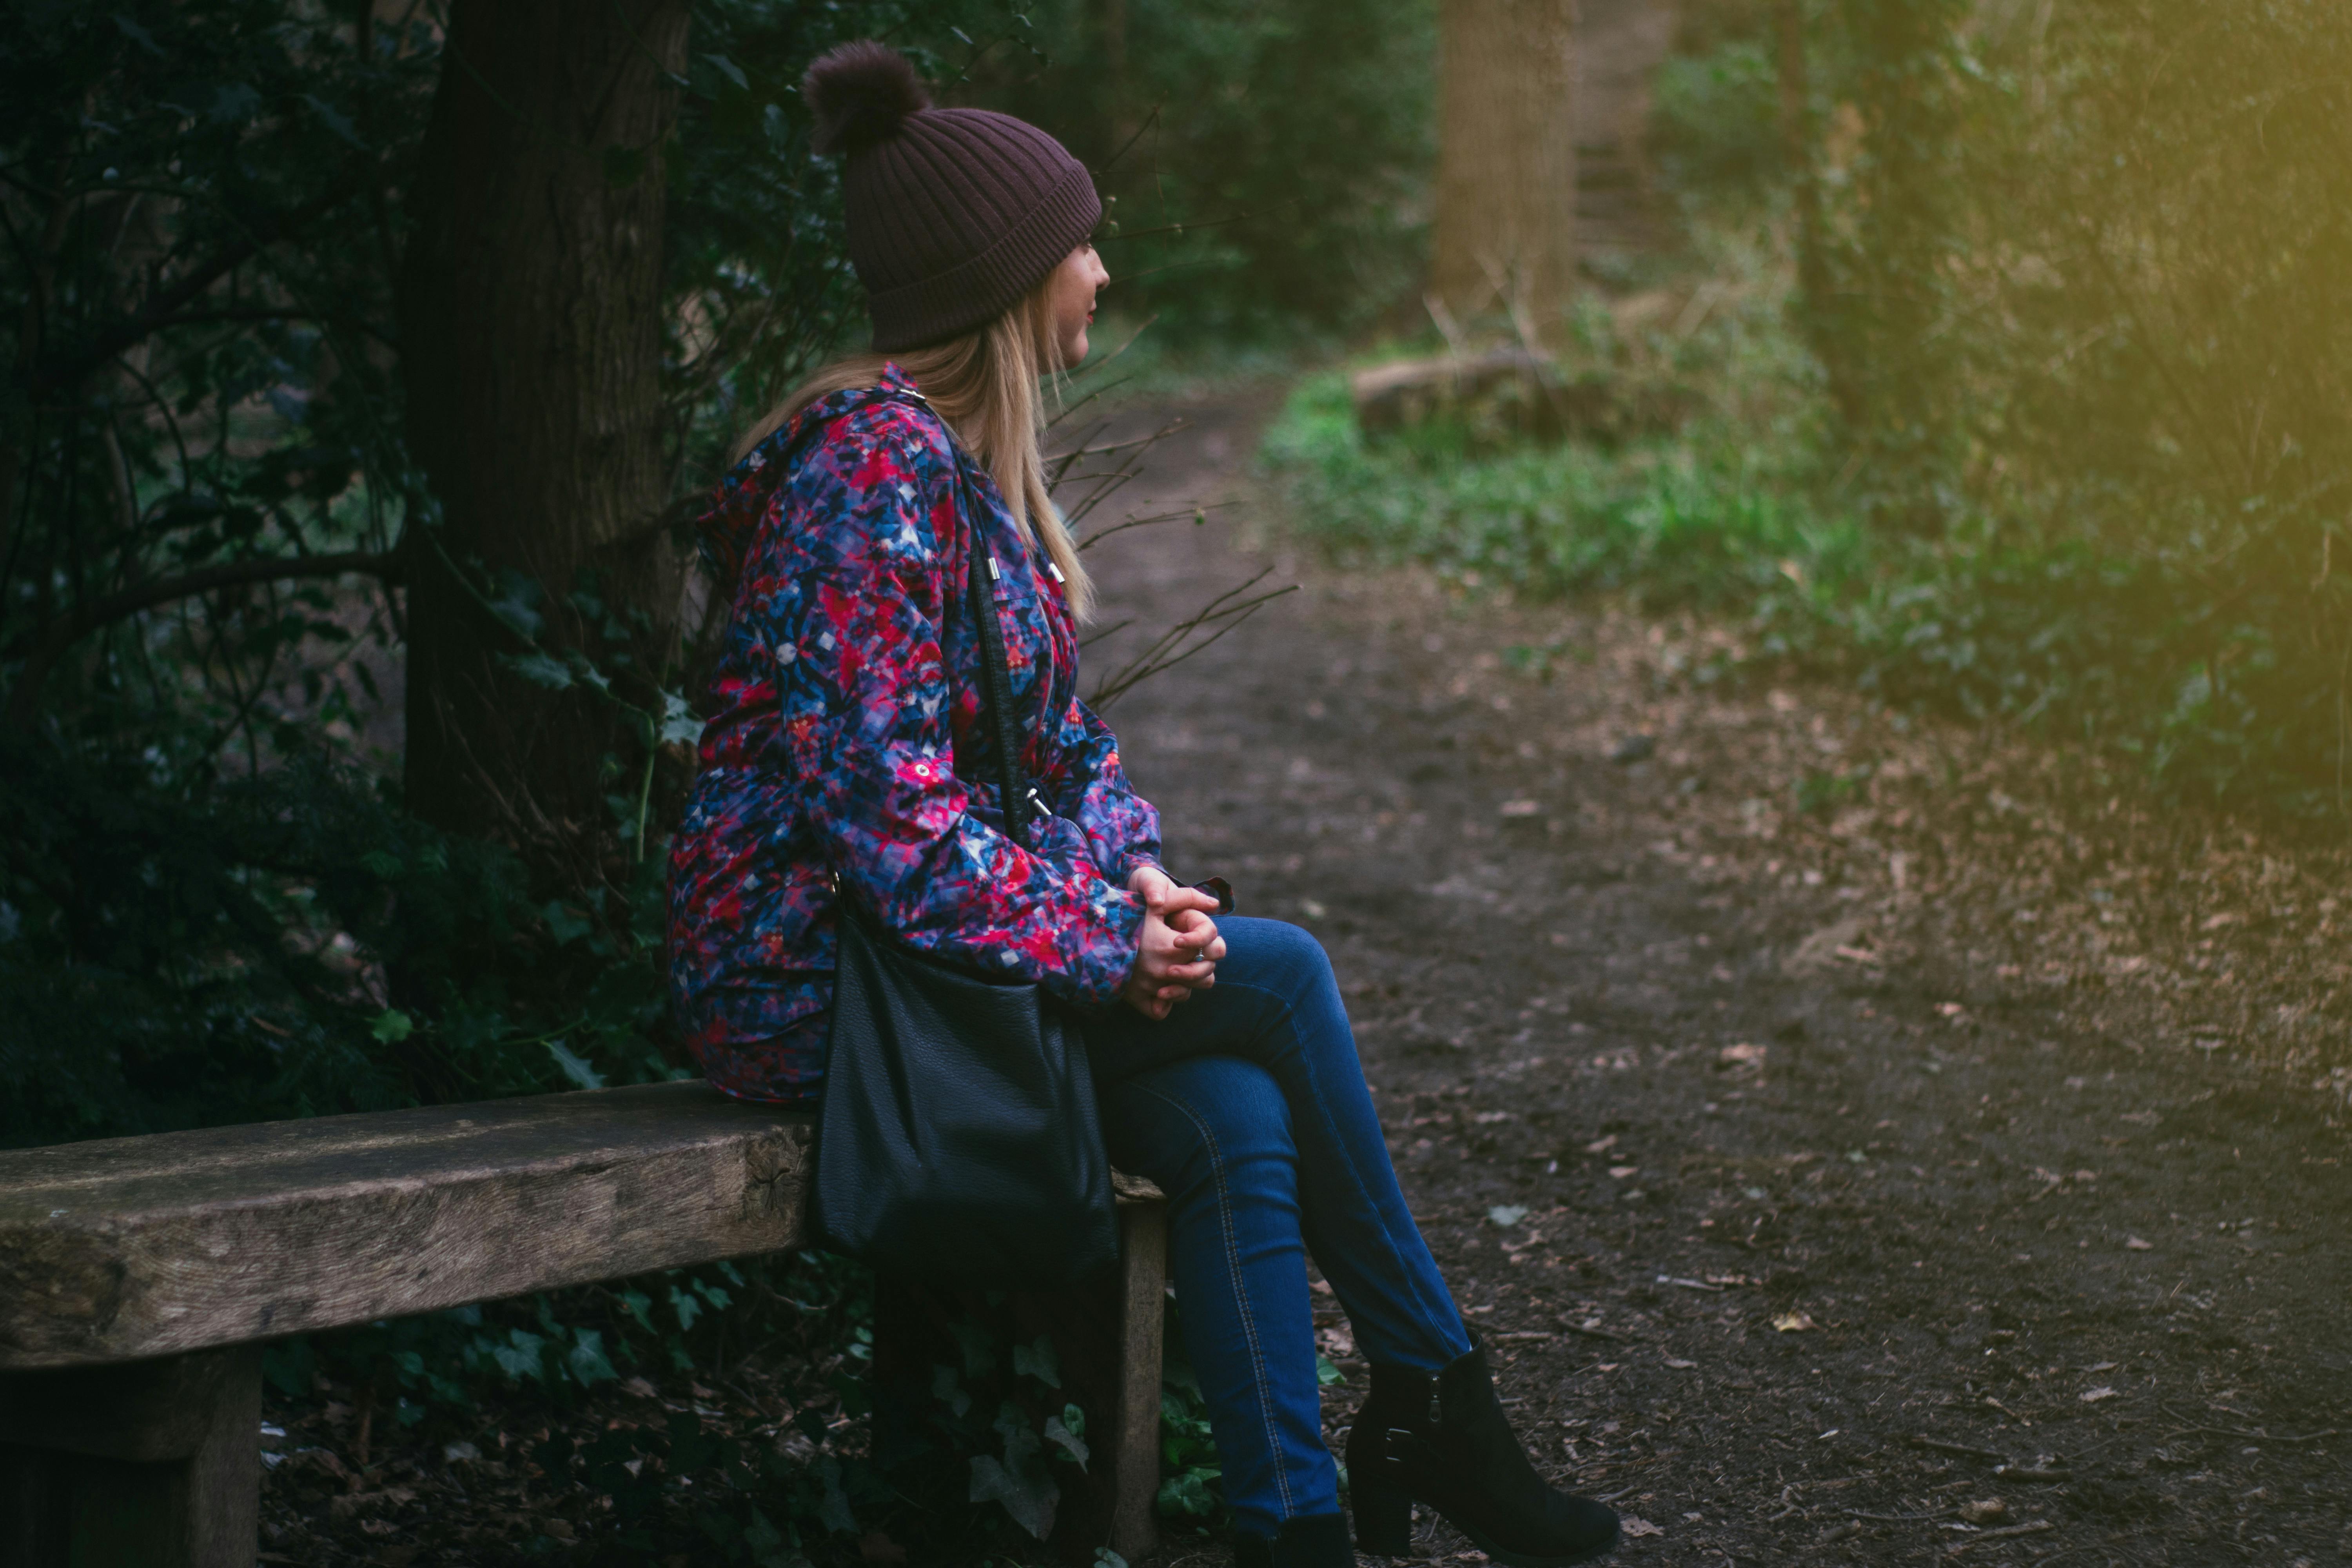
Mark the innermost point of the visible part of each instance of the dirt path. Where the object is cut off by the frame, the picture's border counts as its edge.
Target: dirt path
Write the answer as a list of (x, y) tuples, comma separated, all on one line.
[(1790, 1235)]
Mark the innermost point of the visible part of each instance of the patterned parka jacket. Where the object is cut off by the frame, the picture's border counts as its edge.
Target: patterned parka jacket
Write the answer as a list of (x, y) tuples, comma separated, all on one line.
[(847, 738)]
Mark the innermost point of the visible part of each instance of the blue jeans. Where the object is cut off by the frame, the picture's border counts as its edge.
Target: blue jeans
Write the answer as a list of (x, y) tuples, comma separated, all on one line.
[(1248, 1108)]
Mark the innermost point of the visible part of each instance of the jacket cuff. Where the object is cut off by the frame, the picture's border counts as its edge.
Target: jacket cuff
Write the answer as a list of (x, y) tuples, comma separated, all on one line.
[(1111, 947)]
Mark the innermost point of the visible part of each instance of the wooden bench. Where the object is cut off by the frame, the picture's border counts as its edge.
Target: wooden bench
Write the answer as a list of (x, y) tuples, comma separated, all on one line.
[(139, 1277)]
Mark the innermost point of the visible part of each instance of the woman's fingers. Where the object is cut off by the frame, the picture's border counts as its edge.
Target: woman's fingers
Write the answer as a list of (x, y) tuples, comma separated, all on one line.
[(1178, 901), (1194, 929)]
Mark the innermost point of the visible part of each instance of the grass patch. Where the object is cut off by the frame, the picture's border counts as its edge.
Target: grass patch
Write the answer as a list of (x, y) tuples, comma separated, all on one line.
[(1755, 507)]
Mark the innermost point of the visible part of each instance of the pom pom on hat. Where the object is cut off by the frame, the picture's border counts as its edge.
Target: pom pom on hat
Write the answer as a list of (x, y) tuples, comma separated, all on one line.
[(860, 94)]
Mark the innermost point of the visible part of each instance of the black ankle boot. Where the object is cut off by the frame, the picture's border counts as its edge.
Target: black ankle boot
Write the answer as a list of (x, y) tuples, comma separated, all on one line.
[(1462, 1459), (1318, 1541)]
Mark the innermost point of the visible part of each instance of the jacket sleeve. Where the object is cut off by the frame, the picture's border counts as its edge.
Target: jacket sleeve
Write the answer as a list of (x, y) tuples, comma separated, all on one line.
[(1089, 786), (856, 628)]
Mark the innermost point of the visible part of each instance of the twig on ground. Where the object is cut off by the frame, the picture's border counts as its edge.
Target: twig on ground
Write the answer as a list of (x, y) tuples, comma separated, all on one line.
[(2190, 1424), (1568, 1328), (2032, 1527), (1940, 1445), (1901, 1518)]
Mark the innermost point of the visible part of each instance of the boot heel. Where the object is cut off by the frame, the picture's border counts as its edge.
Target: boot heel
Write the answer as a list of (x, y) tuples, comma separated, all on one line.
[(1384, 1514)]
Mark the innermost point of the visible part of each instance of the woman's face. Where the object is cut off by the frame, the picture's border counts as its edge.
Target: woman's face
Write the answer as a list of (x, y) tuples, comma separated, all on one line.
[(1070, 298)]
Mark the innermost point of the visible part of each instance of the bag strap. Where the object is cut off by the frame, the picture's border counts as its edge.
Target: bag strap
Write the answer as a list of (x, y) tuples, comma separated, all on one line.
[(996, 679), (996, 694)]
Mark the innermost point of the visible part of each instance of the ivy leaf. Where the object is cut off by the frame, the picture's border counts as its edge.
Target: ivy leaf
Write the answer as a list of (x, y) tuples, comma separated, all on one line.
[(539, 669), (766, 1542), (392, 1026), (978, 1354), (138, 35), (518, 602), (519, 1358), (564, 925), (949, 1390), (685, 1306), (834, 1512), (729, 69), (1059, 1433), (587, 1362), (333, 119), (1030, 1502), (1039, 1360), (678, 721), (575, 1067)]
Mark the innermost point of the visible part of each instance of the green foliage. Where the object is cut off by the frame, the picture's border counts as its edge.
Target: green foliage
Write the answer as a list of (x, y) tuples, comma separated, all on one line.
[(1192, 1490), (2079, 318), (175, 960), (1714, 118), (1264, 163), (2058, 429)]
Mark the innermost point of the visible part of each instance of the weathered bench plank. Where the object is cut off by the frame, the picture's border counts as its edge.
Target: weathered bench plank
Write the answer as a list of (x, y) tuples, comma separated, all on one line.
[(138, 1274), (124, 1248)]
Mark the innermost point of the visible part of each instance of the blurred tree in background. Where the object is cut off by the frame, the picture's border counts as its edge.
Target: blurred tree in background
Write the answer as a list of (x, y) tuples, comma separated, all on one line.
[(1505, 229)]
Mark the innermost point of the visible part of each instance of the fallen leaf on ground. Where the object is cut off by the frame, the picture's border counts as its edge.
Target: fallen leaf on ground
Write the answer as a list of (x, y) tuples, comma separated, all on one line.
[(1634, 1524), (1602, 1145), (1984, 1511), (1679, 1364), (2093, 1395), (1793, 1323), (1621, 1172), (1508, 1215), (2135, 1244), (1818, 951)]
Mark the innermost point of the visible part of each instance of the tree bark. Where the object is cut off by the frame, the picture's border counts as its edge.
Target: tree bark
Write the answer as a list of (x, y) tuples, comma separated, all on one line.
[(1797, 139), (529, 304), (1505, 231)]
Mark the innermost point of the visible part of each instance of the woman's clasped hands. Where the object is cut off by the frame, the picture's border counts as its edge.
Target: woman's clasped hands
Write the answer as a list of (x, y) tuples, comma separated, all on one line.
[(1178, 946)]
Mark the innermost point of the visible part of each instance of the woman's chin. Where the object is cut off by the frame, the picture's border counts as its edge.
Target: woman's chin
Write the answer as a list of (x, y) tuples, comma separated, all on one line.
[(1074, 351)]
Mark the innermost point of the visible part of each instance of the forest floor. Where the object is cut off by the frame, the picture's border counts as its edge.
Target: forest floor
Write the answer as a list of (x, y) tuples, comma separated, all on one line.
[(1864, 1140)]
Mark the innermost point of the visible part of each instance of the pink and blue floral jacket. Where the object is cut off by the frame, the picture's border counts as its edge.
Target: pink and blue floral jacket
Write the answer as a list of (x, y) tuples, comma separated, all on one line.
[(846, 737)]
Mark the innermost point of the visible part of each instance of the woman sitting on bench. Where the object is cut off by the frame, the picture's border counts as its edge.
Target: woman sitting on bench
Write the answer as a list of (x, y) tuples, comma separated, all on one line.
[(844, 698)]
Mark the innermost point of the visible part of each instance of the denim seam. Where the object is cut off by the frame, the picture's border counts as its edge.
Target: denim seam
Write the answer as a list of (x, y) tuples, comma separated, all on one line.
[(1259, 1382), (1289, 1020)]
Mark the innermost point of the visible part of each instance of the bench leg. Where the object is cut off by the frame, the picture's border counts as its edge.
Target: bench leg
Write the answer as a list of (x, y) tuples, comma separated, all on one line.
[(151, 1464), (1142, 1315)]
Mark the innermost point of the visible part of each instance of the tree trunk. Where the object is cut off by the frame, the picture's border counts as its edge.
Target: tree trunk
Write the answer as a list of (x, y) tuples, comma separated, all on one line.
[(1506, 160), (1797, 139), (531, 325)]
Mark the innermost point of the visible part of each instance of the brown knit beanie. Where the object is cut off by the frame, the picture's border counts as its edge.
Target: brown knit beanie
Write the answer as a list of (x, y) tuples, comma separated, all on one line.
[(955, 215)]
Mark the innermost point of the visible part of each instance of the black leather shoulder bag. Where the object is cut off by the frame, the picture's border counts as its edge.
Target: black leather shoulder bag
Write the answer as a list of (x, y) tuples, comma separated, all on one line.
[(959, 1138)]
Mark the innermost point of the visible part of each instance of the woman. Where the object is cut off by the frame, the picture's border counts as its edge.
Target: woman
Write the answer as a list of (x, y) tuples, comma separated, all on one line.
[(848, 742)]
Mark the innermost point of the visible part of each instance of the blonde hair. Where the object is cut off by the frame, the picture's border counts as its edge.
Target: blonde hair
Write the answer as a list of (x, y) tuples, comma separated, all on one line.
[(988, 386)]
